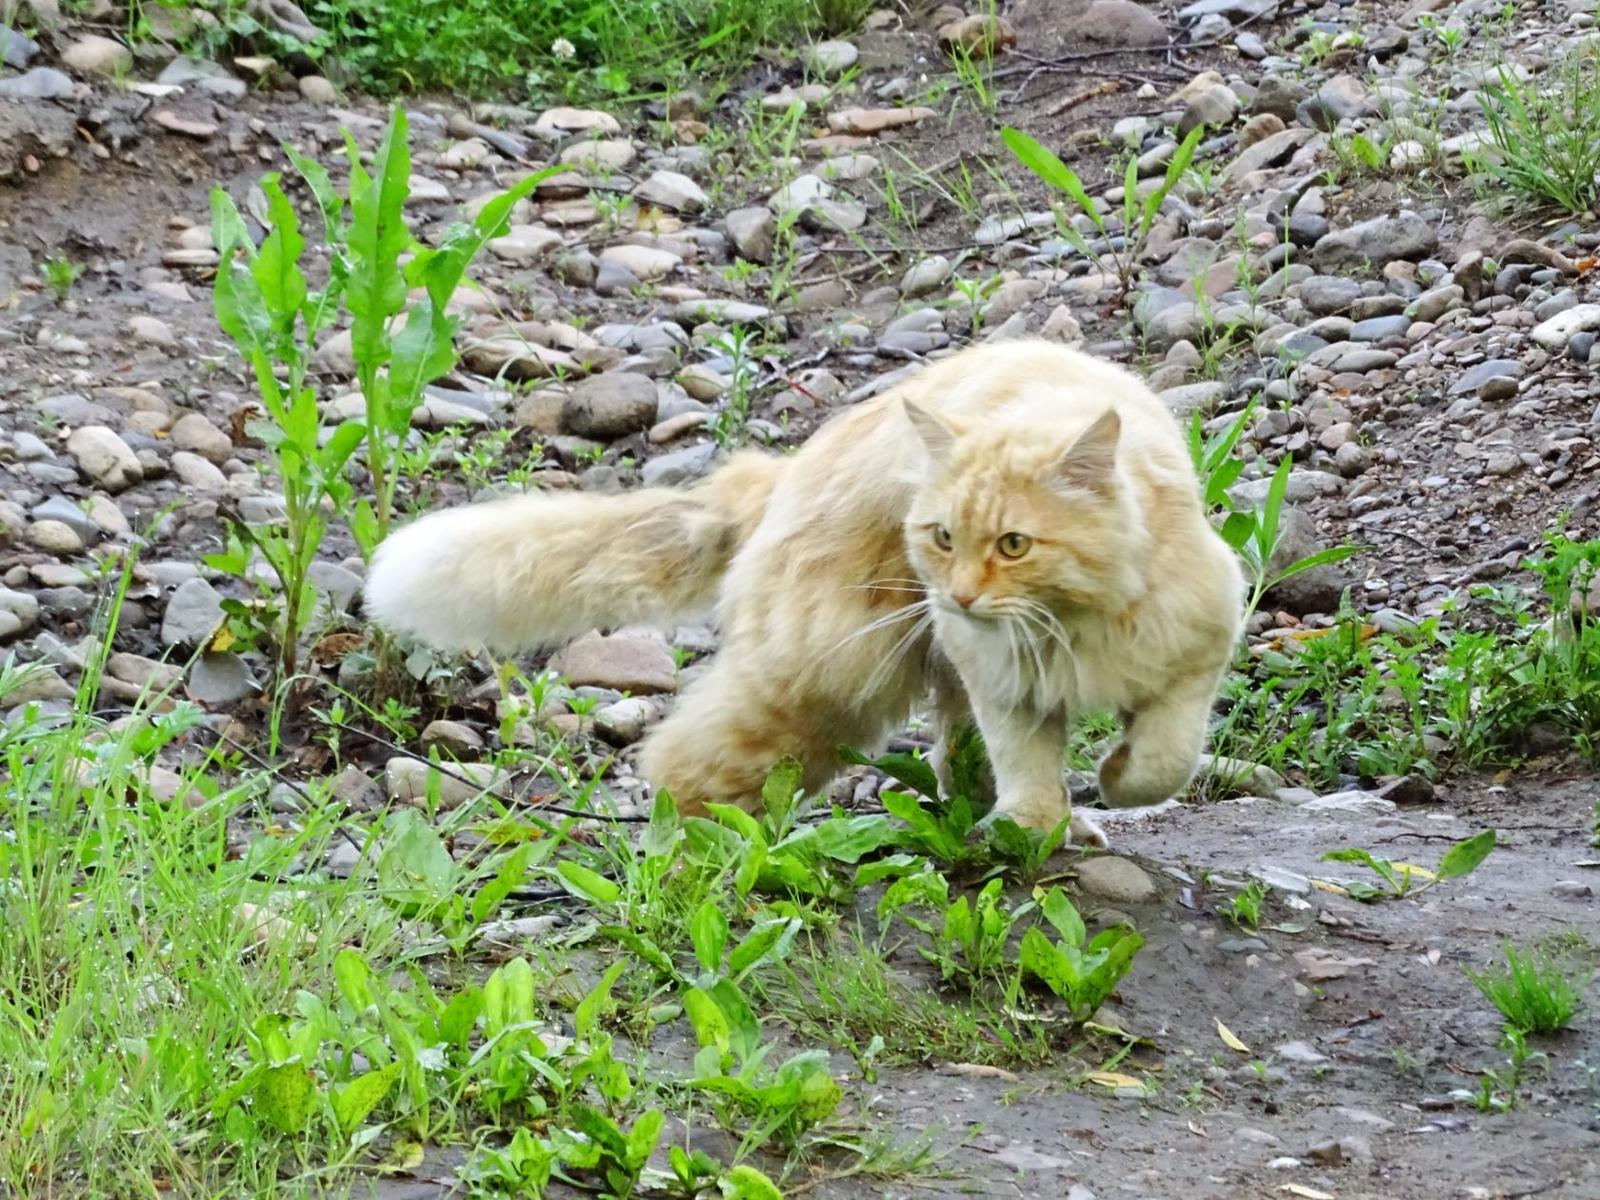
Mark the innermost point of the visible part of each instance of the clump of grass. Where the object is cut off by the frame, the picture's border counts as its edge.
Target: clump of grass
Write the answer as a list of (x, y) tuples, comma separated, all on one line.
[(1536, 991), (60, 273), (1546, 142)]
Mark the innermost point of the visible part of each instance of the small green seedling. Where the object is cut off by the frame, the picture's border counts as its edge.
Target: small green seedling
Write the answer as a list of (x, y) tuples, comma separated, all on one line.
[(1245, 911), (1536, 992), (1138, 216), (1401, 880), (60, 273)]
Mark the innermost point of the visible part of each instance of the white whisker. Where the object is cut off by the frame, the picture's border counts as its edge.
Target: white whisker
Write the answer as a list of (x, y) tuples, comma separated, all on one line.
[(892, 618), (881, 673)]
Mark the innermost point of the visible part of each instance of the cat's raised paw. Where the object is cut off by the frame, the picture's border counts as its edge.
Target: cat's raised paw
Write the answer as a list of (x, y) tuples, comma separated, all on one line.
[(1085, 832)]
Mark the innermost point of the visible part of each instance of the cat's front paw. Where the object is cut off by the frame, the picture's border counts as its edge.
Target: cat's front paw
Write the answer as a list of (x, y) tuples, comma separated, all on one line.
[(1040, 810)]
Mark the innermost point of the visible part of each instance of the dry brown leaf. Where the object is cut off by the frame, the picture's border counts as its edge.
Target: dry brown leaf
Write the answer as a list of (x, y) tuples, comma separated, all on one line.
[(1113, 1079), (1308, 1193)]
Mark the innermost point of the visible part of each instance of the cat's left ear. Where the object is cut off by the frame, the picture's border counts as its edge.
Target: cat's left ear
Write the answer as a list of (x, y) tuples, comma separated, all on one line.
[(1090, 461), (937, 437)]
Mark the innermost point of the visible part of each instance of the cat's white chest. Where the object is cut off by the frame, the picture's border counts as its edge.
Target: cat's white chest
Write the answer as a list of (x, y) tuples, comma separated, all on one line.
[(1013, 666)]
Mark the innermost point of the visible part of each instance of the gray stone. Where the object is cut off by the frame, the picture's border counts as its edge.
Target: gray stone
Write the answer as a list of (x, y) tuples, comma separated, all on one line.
[(1329, 294), (16, 47), (610, 406), (41, 83), (1376, 242), (19, 612), (624, 722), (831, 58), (670, 189), (1115, 880), (1559, 329), (1116, 23), (925, 277), (1316, 590), (453, 737), (193, 613), (54, 537), (1200, 397), (95, 55), (104, 457), (1339, 99), (1474, 377), (1432, 305), (59, 508), (1280, 95), (218, 679), (1376, 329), (752, 231)]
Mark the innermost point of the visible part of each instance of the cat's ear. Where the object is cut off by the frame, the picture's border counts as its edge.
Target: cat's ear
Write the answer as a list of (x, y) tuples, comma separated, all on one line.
[(1089, 461), (936, 436)]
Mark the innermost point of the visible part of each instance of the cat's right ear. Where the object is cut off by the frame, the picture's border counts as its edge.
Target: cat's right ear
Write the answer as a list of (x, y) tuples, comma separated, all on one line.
[(936, 436)]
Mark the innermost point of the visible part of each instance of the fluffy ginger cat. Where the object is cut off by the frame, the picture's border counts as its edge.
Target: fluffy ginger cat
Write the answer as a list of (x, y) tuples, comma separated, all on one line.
[(1015, 531)]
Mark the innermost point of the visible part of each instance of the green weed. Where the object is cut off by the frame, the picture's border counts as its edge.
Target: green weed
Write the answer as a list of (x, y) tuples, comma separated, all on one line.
[(1126, 248), (60, 274), (1535, 991)]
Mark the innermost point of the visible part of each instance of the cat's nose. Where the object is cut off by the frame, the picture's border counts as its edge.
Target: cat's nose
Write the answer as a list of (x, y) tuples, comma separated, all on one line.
[(964, 599)]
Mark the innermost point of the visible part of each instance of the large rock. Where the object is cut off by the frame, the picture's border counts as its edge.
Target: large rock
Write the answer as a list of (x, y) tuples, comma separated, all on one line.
[(611, 406), (634, 663), (1118, 23), (1376, 242), (752, 231), (95, 55), (1554, 333), (104, 457)]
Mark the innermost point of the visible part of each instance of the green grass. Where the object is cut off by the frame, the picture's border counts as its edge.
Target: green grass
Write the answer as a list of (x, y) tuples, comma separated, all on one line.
[(1545, 141), (582, 49), (1536, 991)]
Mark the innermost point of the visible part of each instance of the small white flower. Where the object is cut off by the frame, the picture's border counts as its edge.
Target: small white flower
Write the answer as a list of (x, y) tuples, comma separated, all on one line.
[(562, 48)]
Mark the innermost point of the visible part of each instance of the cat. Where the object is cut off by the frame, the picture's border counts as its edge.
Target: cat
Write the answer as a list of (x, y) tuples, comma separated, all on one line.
[(1015, 532)]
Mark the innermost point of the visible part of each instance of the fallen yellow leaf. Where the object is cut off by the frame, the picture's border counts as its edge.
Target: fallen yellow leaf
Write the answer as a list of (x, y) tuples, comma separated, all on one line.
[(222, 640), (1228, 1038), (1299, 1189), (1322, 885), (1413, 869), (1113, 1079)]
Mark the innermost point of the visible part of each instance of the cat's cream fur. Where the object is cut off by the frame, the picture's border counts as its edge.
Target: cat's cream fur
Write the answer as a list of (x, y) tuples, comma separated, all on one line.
[(867, 571)]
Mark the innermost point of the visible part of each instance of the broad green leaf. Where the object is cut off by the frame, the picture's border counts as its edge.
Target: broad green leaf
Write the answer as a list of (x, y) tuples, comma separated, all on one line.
[(354, 979), (378, 235), (1465, 856), (915, 773), (781, 786), (642, 1138), (1044, 163), (354, 1102), (587, 884), (1059, 911), (735, 818), (512, 873), (895, 866), (459, 1017), (847, 839), (285, 1096), (586, 1018), (746, 1183), (415, 869), (708, 930), (706, 1018), (641, 948), (767, 940)]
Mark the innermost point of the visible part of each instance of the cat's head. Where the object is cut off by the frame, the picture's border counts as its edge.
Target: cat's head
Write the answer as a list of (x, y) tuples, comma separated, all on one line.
[(1008, 515)]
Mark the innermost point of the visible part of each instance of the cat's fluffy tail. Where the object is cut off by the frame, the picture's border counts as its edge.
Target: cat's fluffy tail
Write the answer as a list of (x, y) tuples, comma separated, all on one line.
[(535, 570)]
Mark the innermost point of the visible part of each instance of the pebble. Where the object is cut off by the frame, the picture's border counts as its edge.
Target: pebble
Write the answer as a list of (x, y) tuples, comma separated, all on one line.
[(217, 680), (19, 612), (96, 55)]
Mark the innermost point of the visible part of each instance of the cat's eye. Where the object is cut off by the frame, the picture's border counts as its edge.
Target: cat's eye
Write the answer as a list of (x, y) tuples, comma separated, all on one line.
[(1014, 545), (941, 537)]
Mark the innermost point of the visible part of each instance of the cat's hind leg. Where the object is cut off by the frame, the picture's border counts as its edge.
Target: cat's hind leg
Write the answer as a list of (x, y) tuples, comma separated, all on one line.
[(1160, 747)]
